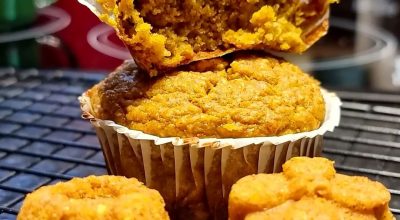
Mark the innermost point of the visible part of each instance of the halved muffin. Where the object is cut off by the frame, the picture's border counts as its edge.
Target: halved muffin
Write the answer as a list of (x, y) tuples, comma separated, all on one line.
[(163, 34)]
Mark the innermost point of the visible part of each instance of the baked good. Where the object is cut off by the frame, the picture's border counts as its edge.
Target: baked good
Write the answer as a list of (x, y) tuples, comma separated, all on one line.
[(101, 197), (192, 118), (232, 97), (192, 133), (308, 188), (162, 35)]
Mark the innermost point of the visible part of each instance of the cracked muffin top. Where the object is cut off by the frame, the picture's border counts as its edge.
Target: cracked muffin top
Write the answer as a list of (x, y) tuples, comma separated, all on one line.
[(163, 34), (236, 96)]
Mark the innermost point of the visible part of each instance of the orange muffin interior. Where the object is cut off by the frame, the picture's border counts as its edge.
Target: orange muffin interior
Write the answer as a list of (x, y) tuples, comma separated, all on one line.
[(169, 32), (240, 96)]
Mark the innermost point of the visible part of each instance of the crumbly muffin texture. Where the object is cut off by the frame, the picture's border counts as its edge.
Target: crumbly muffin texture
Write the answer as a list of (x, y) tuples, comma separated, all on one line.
[(240, 96), (163, 34), (308, 188)]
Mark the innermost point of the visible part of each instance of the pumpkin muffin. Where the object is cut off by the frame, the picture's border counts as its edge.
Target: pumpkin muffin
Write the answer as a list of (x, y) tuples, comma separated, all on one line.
[(164, 34), (308, 188), (234, 97), (193, 132)]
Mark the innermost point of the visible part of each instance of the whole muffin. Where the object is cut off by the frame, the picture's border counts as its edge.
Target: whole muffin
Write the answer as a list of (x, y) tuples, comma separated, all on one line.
[(94, 197), (308, 188), (239, 96), (162, 35), (195, 131)]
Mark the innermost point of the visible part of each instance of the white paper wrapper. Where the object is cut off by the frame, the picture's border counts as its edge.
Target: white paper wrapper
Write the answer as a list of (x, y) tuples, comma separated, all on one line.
[(195, 175), (94, 7)]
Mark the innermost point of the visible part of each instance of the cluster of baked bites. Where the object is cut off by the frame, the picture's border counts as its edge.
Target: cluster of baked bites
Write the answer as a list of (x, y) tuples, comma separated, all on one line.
[(308, 188)]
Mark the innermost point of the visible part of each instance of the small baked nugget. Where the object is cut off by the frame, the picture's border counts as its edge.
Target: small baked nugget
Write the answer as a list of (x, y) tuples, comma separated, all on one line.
[(102, 197), (250, 194), (308, 188), (163, 34), (358, 192)]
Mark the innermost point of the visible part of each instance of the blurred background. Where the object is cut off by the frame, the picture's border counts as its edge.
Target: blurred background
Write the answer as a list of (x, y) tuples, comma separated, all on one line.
[(360, 52)]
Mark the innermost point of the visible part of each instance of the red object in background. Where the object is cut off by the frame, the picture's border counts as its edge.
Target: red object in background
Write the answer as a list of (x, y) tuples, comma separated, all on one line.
[(75, 37)]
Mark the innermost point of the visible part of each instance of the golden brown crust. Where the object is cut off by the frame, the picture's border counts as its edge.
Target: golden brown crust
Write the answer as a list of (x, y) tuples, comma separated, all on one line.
[(309, 189), (317, 33), (162, 35), (370, 195), (242, 201), (103, 197), (240, 96), (125, 84), (312, 209), (300, 167)]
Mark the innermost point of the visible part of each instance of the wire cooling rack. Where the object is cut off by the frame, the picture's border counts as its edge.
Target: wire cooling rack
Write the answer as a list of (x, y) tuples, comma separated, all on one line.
[(43, 139)]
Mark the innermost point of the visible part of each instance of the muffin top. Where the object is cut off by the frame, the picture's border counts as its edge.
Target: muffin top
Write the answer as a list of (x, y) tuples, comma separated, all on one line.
[(308, 188), (163, 34), (236, 96)]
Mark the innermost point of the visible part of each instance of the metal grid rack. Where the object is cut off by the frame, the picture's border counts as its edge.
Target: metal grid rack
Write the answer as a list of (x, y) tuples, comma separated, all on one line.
[(43, 140)]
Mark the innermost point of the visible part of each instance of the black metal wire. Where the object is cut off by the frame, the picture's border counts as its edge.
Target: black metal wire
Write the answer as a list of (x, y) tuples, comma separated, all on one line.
[(8, 210), (81, 130), (54, 157)]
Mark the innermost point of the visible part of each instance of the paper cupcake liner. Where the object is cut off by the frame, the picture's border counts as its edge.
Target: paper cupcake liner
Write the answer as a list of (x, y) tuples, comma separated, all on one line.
[(193, 175)]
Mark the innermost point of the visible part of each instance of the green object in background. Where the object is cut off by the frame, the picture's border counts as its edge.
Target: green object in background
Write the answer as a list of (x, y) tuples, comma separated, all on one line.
[(352, 77), (21, 54), (16, 13)]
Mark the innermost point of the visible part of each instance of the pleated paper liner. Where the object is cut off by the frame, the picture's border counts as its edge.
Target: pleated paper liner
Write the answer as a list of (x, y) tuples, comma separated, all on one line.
[(193, 175)]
